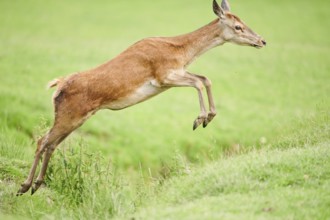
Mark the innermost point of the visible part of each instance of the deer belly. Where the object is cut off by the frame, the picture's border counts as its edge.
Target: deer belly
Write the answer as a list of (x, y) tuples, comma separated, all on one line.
[(141, 94)]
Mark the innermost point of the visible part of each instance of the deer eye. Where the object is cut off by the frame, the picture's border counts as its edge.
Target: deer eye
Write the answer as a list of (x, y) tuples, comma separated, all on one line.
[(237, 27)]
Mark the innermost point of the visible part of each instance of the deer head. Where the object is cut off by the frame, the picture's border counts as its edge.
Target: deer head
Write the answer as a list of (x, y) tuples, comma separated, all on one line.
[(234, 29)]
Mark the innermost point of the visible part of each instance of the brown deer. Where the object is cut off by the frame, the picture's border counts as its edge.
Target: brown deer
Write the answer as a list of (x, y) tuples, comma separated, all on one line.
[(145, 69)]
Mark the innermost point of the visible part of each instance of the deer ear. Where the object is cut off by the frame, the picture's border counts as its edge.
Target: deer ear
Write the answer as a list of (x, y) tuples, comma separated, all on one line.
[(225, 5), (217, 9)]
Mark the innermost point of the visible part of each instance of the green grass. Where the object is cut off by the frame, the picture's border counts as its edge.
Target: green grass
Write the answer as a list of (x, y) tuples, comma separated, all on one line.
[(263, 156), (267, 184)]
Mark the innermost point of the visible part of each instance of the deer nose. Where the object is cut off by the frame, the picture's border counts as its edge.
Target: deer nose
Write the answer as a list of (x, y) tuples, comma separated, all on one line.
[(264, 42)]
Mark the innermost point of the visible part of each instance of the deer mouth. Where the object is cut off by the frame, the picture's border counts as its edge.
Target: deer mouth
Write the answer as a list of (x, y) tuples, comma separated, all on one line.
[(260, 45), (257, 46)]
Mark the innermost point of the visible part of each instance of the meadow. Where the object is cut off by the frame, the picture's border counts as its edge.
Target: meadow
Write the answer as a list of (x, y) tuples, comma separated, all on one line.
[(264, 156)]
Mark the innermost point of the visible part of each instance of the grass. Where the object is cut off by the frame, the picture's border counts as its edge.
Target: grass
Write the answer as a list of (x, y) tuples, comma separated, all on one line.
[(287, 180), (263, 156), (266, 184)]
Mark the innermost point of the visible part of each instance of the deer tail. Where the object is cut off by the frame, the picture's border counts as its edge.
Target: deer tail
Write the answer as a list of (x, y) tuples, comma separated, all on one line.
[(53, 83)]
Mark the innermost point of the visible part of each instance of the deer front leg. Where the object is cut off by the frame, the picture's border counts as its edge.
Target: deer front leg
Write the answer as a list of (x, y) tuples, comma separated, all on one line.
[(212, 113), (202, 118), (182, 79)]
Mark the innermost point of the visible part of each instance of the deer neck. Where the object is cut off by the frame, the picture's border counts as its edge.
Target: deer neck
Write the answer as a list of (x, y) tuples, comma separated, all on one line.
[(198, 42)]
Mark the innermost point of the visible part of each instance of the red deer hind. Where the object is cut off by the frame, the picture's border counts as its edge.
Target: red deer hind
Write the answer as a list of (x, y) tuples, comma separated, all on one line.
[(145, 69)]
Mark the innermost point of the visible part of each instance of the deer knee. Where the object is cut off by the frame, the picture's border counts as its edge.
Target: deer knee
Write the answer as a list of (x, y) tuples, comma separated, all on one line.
[(206, 81), (199, 85)]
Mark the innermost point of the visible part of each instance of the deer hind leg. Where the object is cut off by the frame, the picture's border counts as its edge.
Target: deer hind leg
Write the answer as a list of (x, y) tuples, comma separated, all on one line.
[(42, 142), (62, 128), (46, 145), (69, 116), (189, 80), (57, 137)]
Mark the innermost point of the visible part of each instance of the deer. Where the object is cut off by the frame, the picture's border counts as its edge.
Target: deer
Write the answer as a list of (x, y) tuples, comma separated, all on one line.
[(144, 70)]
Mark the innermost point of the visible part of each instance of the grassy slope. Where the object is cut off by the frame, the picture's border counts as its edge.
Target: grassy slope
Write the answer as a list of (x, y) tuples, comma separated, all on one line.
[(266, 184), (260, 95), (287, 180)]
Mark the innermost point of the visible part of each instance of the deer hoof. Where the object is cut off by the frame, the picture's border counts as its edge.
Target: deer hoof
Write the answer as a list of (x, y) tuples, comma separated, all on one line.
[(205, 123), (24, 188), (36, 186), (209, 118), (198, 122)]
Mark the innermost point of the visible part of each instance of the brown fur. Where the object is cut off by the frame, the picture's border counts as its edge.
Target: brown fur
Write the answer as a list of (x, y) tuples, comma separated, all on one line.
[(142, 71)]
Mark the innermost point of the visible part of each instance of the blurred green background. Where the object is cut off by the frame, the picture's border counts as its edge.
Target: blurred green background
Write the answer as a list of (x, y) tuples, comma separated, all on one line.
[(257, 92), (261, 95)]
